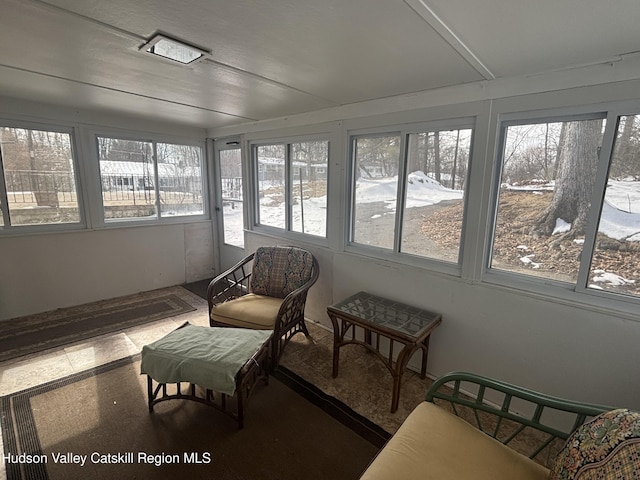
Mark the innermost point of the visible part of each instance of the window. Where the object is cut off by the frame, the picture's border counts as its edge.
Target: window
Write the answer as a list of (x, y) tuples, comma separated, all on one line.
[(232, 196), (434, 193), (134, 186), (271, 185), (38, 184), (376, 164), (406, 189), (615, 266), (554, 174), (536, 206), (292, 186)]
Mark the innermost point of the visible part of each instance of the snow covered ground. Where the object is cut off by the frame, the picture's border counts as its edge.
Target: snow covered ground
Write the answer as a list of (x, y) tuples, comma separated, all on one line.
[(421, 191), (620, 214), (620, 219)]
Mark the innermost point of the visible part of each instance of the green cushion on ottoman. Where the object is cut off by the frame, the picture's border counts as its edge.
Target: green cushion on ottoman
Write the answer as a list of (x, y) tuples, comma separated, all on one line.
[(207, 356)]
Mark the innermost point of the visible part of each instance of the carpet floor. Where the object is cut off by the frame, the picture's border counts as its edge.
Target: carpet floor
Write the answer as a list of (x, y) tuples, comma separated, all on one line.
[(101, 417), (36, 333)]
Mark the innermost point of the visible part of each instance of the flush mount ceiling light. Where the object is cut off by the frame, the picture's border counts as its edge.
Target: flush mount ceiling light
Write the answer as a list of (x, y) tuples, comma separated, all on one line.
[(172, 49)]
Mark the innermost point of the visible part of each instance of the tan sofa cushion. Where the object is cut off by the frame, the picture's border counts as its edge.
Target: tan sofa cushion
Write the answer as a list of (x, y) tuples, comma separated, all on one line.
[(433, 444), (249, 311)]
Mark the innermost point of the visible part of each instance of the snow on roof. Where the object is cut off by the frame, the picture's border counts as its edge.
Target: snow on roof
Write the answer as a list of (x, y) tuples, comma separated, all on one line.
[(295, 163), (109, 167)]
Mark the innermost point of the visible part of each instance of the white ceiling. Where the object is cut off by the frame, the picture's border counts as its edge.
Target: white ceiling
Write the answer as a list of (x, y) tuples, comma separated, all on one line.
[(276, 58)]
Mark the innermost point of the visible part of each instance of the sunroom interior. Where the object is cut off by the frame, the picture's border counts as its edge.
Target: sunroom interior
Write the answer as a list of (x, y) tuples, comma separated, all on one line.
[(393, 140)]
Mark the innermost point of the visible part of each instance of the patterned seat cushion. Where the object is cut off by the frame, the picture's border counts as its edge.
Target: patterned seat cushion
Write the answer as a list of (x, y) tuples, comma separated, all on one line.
[(606, 448), (278, 271)]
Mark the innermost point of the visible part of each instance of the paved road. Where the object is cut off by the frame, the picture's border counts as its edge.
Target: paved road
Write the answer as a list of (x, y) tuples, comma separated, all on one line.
[(376, 224)]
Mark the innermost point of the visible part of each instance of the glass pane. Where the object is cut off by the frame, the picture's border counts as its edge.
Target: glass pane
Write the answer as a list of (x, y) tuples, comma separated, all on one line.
[(180, 179), (39, 177), (376, 167), (434, 204), (548, 174), (128, 178), (232, 200), (615, 265), (271, 186), (309, 167)]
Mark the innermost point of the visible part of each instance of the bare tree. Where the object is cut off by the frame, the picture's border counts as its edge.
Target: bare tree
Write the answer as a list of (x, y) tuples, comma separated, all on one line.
[(626, 150), (455, 161), (575, 178), (436, 157)]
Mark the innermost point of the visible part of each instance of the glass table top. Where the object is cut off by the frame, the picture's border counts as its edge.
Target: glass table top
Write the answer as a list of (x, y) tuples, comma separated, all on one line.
[(386, 313)]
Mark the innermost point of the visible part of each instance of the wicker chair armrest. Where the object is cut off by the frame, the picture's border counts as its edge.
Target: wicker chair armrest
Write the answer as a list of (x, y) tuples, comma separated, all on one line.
[(231, 283), (296, 299), (520, 408)]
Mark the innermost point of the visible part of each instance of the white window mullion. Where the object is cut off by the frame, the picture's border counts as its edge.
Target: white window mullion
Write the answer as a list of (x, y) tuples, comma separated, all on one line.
[(4, 201), (402, 191), (599, 188), (156, 179), (288, 191), (255, 186)]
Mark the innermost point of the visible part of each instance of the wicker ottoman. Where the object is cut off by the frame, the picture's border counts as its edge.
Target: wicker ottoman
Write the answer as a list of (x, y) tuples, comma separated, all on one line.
[(219, 366)]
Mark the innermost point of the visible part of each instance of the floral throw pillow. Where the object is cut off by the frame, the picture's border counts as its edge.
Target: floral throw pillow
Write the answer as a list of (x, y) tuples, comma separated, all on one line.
[(278, 271), (605, 448)]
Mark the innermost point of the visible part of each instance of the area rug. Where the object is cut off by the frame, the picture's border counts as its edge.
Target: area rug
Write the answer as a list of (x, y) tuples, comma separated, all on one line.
[(35, 333), (96, 424)]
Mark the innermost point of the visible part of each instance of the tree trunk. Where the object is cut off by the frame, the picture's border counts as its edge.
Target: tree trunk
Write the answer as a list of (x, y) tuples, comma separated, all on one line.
[(575, 178), (546, 153), (436, 157), (42, 186), (624, 152), (427, 153), (455, 162), (556, 163)]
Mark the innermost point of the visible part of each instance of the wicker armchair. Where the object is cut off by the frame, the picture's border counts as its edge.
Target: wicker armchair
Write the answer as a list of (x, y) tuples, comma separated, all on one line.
[(265, 291)]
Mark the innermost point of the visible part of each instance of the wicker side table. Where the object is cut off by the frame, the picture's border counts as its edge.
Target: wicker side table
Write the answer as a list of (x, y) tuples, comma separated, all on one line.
[(379, 317)]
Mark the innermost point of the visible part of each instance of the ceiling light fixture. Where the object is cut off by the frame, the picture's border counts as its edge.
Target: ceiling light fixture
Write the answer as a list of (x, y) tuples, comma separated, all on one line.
[(174, 50)]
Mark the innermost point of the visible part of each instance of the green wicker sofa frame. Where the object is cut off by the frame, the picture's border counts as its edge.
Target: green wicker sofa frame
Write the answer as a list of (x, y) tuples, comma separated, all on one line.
[(533, 409), (472, 426)]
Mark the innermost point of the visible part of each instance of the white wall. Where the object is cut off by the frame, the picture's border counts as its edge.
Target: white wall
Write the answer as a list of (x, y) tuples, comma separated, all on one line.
[(49, 271)]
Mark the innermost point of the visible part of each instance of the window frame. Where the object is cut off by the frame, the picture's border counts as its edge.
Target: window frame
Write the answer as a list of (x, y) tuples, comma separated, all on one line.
[(7, 228), (287, 231), (158, 219), (577, 293), (403, 130), (351, 207), (221, 145)]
